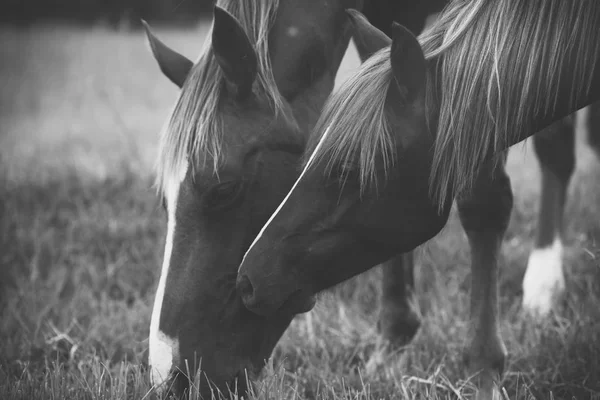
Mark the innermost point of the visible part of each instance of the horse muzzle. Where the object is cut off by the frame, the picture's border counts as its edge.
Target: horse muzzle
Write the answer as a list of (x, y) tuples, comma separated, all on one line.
[(267, 299)]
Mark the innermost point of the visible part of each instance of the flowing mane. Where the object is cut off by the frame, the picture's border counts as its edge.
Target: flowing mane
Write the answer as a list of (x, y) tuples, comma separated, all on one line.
[(194, 127), (353, 123), (489, 53)]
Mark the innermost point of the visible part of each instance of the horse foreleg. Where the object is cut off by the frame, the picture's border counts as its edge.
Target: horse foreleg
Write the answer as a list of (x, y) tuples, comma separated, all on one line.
[(544, 280), (398, 320), (484, 214)]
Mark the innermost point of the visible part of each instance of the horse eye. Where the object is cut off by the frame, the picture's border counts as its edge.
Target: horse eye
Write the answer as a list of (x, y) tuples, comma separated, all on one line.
[(223, 196)]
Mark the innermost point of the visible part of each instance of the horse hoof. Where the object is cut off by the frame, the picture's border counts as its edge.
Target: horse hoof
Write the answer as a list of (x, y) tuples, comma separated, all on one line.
[(488, 393), (398, 327), (544, 281)]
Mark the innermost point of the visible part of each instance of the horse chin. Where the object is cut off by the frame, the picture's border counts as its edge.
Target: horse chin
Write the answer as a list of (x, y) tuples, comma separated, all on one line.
[(299, 302)]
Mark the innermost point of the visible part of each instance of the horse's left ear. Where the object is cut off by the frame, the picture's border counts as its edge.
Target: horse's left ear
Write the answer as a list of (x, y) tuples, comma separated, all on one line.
[(175, 66), (234, 52), (408, 62)]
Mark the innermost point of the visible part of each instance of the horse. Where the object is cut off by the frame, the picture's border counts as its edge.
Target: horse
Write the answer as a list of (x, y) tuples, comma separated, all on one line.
[(228, 154), (421, 123)]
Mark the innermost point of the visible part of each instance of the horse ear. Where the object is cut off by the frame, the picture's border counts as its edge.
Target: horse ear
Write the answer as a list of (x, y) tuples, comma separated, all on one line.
[(175, 66), (234, 52), (367, 38), (408, 62)]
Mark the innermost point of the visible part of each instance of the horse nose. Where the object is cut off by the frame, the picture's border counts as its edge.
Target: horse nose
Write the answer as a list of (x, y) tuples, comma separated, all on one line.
[(245, 289), (256, 299), (266, 302)]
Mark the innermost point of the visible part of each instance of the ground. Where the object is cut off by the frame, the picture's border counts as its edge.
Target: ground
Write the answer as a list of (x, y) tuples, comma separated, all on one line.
[(81, 236)]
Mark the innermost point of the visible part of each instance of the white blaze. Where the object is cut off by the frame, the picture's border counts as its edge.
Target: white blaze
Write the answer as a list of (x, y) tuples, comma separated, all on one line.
[(544, 281), (163, 350), (310, 160)]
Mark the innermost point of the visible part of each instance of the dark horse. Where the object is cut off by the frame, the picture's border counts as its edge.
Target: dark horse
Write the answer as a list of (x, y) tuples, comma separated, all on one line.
[(229, 153), (419, 125)]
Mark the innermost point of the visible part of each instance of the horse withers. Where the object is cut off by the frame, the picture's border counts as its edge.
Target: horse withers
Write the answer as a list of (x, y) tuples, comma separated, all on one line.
[(227, 156)]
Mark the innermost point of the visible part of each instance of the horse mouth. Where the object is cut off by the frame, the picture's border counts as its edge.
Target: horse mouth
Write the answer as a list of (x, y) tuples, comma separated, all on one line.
[(301, 301), (239, 386)]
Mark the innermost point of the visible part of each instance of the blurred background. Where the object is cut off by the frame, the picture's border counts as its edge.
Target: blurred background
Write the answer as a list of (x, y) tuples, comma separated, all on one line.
[(79, 88), (116, 13)]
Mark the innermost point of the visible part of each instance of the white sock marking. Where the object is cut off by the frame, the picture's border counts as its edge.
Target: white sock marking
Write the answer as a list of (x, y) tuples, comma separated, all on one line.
[(310, 160), (544, 281), (163, 350)]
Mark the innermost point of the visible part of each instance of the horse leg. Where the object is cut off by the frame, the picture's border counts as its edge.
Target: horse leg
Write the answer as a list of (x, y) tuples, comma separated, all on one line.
[(544, 281), (398, 320), (594, 127), (484, 214)]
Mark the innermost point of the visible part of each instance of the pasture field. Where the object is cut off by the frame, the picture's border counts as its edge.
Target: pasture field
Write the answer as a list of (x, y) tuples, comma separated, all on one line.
[(81, 241)]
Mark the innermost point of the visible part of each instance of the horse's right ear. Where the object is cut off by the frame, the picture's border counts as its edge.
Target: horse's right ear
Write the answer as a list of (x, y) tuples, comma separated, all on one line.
[(408, 62), (367, 38), (175, 66)]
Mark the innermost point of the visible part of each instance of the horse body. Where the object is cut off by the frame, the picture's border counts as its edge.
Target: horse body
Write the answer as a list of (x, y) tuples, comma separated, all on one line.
[(227, 156), (372, 187)]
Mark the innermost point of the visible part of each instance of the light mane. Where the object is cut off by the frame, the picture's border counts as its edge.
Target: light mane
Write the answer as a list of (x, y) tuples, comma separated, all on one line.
[(194, 129), (481, 45), (353, 124), (500, 68)]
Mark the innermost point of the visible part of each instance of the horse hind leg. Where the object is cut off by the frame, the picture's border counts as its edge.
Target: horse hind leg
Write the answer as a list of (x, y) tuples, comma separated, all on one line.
[(484, 214), (544, 281), (398, 320)]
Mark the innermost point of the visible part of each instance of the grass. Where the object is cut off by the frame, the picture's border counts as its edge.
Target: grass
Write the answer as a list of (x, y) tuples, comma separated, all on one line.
[(81, 235)]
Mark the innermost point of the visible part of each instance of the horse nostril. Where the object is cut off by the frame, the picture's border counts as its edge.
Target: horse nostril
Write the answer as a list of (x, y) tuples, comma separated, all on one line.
[(245, 288)]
